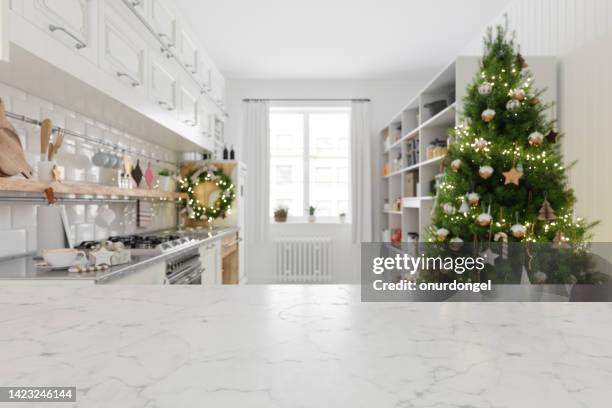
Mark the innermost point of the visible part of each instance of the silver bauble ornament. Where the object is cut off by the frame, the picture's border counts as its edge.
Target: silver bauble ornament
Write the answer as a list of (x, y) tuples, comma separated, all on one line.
[(455, 243), (473, 198), (536, 139), (484, 219), (513, 105), (485, 88), (485, 172), (488, 115), (456, 165), (449, 209), (518, 231), (441, 234)]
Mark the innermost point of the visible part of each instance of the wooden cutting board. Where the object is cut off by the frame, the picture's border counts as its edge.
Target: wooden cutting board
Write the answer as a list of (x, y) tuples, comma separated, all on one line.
[(12, 157)]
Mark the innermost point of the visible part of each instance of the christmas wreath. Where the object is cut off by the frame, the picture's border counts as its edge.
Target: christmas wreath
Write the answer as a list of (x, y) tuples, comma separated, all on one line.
[(221, 206)]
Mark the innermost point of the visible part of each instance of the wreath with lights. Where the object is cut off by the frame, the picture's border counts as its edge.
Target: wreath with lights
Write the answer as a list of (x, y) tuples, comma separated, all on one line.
[(222, 205)]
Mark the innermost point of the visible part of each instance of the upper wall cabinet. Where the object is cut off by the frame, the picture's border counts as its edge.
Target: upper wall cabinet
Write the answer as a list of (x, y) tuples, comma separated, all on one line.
[(164, 22), (4, 37), (163, 83), (122, 51), (188, 108), (70, 22), (188, 52)]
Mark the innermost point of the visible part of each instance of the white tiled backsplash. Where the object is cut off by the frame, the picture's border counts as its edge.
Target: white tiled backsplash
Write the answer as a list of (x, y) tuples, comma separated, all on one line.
[(18, 220)]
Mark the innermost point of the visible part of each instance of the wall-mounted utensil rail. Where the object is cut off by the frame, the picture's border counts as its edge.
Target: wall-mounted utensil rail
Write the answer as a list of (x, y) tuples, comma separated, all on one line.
[(68, 200), (100, 142), (167, 49)]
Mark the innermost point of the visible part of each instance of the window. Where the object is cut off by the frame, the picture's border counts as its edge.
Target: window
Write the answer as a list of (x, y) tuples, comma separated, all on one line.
[(309, 160)]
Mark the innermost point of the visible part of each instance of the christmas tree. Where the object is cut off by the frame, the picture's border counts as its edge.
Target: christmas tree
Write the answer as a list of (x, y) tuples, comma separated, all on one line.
[(505, 180)]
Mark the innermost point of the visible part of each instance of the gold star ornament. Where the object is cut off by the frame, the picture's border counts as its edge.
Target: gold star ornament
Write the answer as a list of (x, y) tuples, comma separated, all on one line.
[(512, 176)]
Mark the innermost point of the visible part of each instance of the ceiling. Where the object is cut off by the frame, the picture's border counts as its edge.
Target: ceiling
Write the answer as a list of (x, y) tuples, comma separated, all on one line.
[(336, 39)]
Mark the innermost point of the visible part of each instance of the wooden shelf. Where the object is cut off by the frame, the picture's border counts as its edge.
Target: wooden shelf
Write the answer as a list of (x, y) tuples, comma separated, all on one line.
[(70, 187)]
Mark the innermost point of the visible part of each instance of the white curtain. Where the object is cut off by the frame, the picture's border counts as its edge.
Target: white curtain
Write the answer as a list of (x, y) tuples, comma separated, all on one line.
[(361, 173), (257, 158)]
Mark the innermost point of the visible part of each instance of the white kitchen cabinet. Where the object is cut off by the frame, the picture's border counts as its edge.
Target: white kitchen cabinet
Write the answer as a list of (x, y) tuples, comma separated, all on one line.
[(188, 105), (204, 74), (210, 257), (4, 35), (218, 87), (163, 21), (122, 52), (69, 22), (154, 274), (188, 52), (163, 84)]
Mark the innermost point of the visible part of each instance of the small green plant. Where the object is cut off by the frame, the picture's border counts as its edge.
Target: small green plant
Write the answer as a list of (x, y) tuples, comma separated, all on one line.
[(164, 172), (280, 213), (311, 210), (281, 210), (342, 214)]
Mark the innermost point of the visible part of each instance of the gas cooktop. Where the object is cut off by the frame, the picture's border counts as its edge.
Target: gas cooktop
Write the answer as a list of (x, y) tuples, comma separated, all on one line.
[(145, 244)]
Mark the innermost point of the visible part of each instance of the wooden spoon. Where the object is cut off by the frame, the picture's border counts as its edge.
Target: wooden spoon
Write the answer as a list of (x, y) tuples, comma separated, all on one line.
[(46, 127)]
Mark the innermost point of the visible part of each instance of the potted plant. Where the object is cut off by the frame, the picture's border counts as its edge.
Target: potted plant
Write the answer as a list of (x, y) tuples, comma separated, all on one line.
[(342, 217), (311, 214), (165, 181), (280, 213)]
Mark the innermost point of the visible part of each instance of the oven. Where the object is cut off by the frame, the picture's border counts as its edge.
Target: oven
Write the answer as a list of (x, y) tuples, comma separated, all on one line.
[(184, 269)]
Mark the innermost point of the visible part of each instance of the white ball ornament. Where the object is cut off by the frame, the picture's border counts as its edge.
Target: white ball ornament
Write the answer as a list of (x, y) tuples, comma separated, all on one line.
[(449, 209), (484, 219), (518, 231), (536, 139), (488, 115), (485, 172), (513, 105), (480, 144), (455, 243), (473, 198), (456, 165), (540, 277), (518, 94), (441, 234), (485, 88)]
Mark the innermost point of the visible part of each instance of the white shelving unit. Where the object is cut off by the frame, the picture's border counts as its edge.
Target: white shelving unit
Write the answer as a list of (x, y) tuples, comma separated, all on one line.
[(415, 126)]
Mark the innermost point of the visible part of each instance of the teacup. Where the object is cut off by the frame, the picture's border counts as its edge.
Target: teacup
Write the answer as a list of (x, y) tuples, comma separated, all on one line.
[(62, 257)]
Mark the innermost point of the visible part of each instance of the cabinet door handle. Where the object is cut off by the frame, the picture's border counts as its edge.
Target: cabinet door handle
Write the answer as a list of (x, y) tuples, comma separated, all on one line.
[(191, 68), (128, 76), (188, 122), (79, 44), (169, 44), (166, 104)]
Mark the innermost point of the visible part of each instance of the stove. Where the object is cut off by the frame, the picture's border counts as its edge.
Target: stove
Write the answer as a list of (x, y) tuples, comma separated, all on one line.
[(151, 244), (144, 244)]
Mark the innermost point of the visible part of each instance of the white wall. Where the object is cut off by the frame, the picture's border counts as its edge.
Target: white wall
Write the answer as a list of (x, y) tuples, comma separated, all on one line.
[(387, 99), (579, 33)]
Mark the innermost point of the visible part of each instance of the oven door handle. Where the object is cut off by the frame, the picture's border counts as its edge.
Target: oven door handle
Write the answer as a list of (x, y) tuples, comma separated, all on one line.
[(187, 272)]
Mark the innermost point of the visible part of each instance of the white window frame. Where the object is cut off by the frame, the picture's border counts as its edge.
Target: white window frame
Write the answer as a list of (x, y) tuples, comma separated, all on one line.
[(307, 110)]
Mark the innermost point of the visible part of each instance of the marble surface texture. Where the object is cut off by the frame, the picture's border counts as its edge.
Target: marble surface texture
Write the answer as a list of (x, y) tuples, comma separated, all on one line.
[(301, 346)]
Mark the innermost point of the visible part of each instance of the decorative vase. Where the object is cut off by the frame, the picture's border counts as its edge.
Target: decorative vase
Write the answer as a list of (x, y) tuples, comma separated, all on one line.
[(342, 219), (312, 219), (166, 184), (280, 217)]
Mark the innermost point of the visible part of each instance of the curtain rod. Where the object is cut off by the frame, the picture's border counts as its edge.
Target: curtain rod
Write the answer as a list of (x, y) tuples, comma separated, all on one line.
[(305, 100)]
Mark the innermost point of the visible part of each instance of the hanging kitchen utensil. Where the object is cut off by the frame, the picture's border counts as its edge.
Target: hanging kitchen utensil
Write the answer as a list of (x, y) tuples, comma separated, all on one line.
[(12, 157), (137, 173), (46, 128), (59, 140), (149, 176), (127, 165), (51, 152)]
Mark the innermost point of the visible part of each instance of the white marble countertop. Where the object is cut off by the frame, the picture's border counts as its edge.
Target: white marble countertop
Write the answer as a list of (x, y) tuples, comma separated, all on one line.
[(301, 346)]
